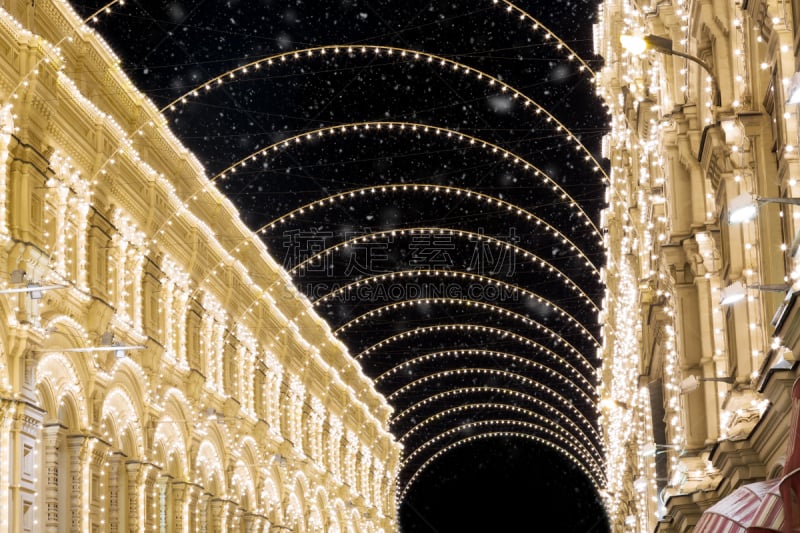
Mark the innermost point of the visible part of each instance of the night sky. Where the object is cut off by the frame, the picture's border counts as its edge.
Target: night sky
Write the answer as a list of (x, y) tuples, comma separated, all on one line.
[(446, 159)]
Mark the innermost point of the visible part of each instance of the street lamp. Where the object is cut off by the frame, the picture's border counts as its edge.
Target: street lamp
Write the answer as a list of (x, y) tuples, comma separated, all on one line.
[(736, 291), (692, 382), (35, 290), (745, 206), (654, 449), (638, 44), (107, 344)]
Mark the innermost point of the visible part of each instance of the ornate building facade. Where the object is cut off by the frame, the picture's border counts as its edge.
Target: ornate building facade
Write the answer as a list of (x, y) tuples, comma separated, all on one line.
[(701, 316), (158, 372)]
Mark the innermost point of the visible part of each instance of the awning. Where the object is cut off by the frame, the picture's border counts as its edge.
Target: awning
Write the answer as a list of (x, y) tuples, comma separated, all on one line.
[(755, 505)]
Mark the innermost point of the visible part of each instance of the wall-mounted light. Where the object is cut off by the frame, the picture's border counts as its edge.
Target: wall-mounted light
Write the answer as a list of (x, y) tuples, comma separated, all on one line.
[(654, 449), (609, 403), (794, 89), (733, 293), (107, 344), (737, 291), (692, 382), (637, 44), (745, 206), (212, 415), (35, 290), (784, 359)]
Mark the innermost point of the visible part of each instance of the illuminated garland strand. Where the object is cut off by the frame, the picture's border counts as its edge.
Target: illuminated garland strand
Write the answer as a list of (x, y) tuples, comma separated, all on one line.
[(534, 384), (404, 53), (487, 406), (598, 483), (368, 237), (447, 189), (467, 303), (537, 25), (468, 276), (502, 333), (591, 439), (492, 354), (588, 461), (414, 127)]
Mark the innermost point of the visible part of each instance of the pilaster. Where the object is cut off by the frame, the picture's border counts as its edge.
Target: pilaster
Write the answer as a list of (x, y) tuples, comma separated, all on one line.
[(76, 446), (52, 436), (114, 468), (20, 423)]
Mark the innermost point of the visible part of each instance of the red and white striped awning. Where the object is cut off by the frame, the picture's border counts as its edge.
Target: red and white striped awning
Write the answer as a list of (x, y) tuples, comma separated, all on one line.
[(756, 505)]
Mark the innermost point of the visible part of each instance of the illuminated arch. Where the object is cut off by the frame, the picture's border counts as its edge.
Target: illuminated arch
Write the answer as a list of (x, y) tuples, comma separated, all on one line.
[(532, 383), (499, 332), (567, 409), (209, 469), (245, 472), (58, 379), (545, 265), (578, 456), (463, 302), (69, 409), (505, 206), (336, 516), (121, 422), (591, 439), (492, 354), (537, 25), (294, 514), (354, 522), (270, 498), (461, 275), (133, 379), (391, 52), (514, 409), (315, 522), (172, 431), (505, 434)]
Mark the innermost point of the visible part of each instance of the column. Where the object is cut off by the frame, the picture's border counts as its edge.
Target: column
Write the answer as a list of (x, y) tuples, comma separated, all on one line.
[(163, 511), (51, 437), (151, 498), (230, 518), (135, 521), (194, 506), (217, 508), (203, 512), (179, 504), (245, 521), (97, 485), (257, 523), (113, 514), (76, 444)]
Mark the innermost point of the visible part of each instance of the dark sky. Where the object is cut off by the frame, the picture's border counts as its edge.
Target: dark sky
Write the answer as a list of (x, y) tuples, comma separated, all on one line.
[(512, 364)]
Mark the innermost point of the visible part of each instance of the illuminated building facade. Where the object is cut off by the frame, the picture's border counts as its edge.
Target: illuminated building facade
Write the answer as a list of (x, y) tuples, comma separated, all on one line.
[(701, 329), (157, 370)]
